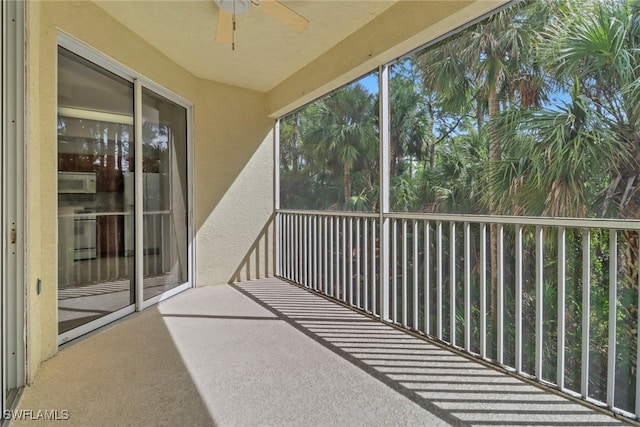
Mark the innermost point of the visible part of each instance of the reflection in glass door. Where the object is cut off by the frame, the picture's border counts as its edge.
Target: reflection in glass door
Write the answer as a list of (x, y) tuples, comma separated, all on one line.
[(95, 161), (164, 189), (123, 204)]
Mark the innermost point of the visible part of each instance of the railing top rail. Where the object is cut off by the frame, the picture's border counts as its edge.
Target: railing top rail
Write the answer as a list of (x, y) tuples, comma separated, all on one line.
[(353, 214), (606, 223)]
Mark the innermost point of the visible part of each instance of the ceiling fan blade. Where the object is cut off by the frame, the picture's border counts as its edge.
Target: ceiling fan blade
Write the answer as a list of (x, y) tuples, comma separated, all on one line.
[(224, 31), (287, 16)]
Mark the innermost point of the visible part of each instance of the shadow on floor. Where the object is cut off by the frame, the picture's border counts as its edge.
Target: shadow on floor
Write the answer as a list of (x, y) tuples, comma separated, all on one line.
[(129, 374), (458, 390), (272, 354)]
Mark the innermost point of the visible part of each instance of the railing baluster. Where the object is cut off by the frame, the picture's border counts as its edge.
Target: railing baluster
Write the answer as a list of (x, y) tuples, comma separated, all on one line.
[(483, 290), (336, 292), (394, 283), (439, 280), (314, 251), (325, 258), (344, 259), (467, 286), (374, 287), (365, 264), (539, 302), (518, 249), (278, 244), (309, 231), (358, 263), (404, 272), (586, 311), (427, 281), (351, 261), (291, 248), (285, 241), (562, 257), (613, 308), (335, 253), (314, 247), (301, 249), (287, 259), (285, 247), (296, 253), (290, 256), (452, 283), (332, 248), (500, 298), (310, 252), (415, 274), (305, 252), (301, 246)]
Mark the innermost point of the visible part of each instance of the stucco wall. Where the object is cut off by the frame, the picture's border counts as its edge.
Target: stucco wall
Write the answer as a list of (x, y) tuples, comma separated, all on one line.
[(233, 169), (235, 183)]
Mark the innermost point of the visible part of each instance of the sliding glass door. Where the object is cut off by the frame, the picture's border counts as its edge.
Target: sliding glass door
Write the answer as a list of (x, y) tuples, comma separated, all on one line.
[(165, 188), (122, 195), (95, 162)]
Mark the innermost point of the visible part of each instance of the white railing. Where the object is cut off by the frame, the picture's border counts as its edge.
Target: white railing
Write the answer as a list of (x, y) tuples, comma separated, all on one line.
[(96, 247), (529, 294)]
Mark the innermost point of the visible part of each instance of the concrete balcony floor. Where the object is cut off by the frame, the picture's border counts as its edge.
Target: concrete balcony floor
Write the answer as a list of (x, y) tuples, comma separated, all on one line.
[(269, 353)]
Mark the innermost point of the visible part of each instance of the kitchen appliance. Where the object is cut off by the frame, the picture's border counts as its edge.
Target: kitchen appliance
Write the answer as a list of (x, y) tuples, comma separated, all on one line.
[(76, 182), (84, 234)]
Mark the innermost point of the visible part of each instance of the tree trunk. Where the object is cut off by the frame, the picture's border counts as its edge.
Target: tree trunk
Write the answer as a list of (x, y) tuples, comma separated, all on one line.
[(347, 183), (295, 143)]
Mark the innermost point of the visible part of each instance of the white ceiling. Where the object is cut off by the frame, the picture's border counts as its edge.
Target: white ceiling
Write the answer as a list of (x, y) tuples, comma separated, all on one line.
[(266, 52)]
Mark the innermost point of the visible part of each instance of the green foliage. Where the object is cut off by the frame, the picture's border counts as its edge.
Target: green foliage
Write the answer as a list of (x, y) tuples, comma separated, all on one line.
[(329, 152)]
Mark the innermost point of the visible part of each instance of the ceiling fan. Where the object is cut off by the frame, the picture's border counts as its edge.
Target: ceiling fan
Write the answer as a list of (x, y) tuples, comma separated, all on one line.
[(230, 8)]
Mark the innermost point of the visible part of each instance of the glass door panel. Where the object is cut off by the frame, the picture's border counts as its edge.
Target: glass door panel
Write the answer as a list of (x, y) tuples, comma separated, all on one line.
[(164, 189), (96, 229)]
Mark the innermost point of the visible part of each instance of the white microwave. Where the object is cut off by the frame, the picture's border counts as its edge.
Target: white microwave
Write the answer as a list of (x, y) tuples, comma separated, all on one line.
[(77, 182)]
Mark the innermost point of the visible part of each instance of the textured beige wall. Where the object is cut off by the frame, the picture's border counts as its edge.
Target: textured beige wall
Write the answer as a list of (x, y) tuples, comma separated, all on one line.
[(233, 170), (235, 179)]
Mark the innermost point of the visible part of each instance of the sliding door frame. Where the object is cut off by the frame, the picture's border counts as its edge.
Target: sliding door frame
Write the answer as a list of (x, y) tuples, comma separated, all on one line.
[(81, 49), (12, 184)]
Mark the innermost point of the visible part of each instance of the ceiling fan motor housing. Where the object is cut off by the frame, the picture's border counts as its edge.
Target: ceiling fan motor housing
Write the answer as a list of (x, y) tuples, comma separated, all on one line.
[(235, 7)]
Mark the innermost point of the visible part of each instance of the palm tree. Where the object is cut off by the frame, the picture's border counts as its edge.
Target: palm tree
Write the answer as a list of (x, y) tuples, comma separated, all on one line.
[(599, 50), (342, 134), (295, 191), (553, 159), (411, 135), (490, 66), (583, 159), (596, 49)]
